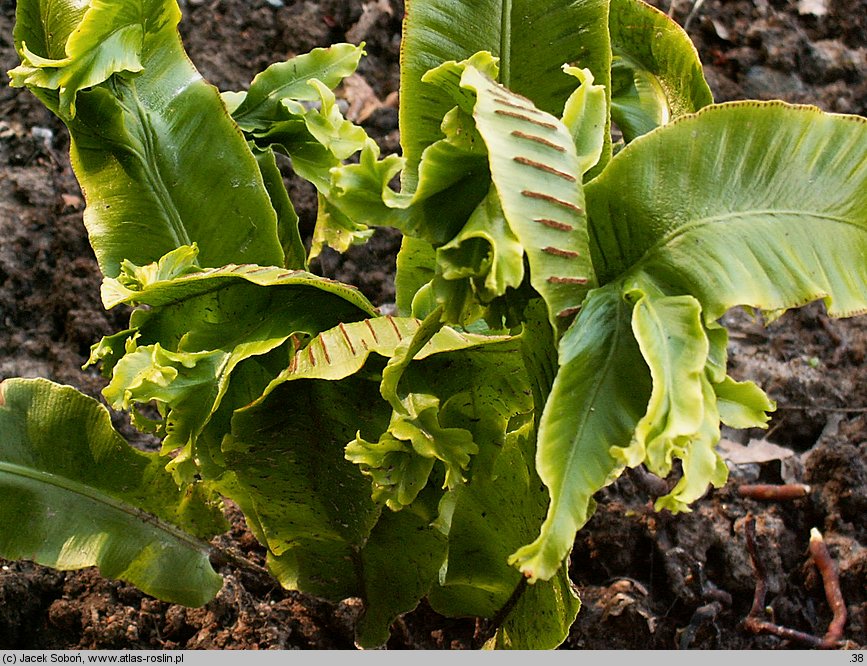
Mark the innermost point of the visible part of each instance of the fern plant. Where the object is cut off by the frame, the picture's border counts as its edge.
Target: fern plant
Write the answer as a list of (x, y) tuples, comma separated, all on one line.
[(559, 297)]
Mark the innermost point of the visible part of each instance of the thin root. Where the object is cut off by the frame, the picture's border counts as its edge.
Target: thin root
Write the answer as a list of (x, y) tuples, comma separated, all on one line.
[(825, 565), (770, 492), (822, 558)]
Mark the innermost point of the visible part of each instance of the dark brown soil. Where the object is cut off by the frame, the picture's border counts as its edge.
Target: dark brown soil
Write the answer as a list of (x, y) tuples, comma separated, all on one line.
[(647, 580)]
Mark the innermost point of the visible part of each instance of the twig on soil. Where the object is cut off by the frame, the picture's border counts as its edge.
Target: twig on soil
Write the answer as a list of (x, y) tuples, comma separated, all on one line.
[(772, 492), (825, 565), (822, 558)]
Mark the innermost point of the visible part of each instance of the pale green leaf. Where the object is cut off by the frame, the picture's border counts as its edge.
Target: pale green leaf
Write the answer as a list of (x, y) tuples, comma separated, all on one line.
[(599, 394), (528, 37), (144, 285), (702, 466), (656, 73), (336, 230), (485, 259), (96, 500), (263, 102), (743, 404), (146, 147), (108, 39), (682, 419), (764, 206), (327, 125), (485, 250), (398, 472), (343, 350), (537, 175), (674, 346), (586, 117), (183, 349)]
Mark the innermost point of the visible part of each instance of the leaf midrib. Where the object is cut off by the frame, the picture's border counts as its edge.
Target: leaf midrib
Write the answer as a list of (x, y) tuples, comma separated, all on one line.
[(598, 382), (146, 157), (506, 44), (278, 94), (95, 495), (693, 225)]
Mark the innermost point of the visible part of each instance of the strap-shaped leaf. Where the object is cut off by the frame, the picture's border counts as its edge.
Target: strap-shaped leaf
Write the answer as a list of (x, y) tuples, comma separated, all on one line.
[(319, 540), (262, 104), (599, 395), (96, 500), (537, 175), (400, 562), (527, 36), (287, 219), (182, 350), (656, 73), (702, 465), (682, 419), (32, 21), (188, 387), (151, 285), (748, 203), (391, 571), (675, 347), (313, 506), (343, 350), (586, 117), (485, 521), (160, 162)]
